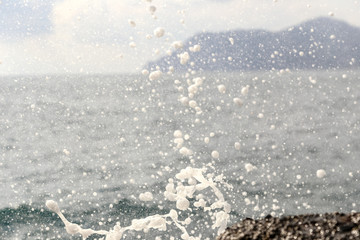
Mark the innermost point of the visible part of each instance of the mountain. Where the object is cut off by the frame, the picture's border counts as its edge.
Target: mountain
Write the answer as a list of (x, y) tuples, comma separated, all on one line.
[(322, 43)]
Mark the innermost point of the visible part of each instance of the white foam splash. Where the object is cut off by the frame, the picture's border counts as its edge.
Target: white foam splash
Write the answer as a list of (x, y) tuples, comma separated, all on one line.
[(179, 142), (178, 134), (231, 41), (192, 103), (177, 45), (238, 101), (196, 182), (159, 32), (184, 101), (132, 23), (72, 228), (145, 72), (221, 88), (320, 173), (195, 48), (147, 196), (249, 167), (185, 151), (188, 183), (192, 89), (152, 9), (215, 154), (155, 75), (245, 90), (184, 58)]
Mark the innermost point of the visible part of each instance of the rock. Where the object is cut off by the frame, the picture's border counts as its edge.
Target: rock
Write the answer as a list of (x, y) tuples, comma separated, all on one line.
[(312, 226)]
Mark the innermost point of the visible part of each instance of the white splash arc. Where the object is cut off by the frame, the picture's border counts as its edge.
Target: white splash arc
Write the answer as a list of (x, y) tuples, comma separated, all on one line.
[(196, 182)]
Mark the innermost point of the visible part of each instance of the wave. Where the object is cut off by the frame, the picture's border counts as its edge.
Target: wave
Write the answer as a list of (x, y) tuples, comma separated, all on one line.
[(25, 214), (29, 222)]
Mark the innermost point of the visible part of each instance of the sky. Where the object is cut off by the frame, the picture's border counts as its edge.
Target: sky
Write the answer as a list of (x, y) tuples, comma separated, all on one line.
[(96, 36)]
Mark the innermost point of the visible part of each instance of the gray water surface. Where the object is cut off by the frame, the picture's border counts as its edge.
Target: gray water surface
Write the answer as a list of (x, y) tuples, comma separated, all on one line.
[(91, 141)]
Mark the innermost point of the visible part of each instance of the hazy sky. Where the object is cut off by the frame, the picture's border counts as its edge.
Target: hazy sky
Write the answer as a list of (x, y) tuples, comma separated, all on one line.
[(93, 36)]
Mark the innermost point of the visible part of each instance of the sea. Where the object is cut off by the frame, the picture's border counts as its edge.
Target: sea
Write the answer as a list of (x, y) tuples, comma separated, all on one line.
[(94, 143)]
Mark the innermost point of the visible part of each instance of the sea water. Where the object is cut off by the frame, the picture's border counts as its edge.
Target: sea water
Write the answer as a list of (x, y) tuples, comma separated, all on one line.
[(105, 147)]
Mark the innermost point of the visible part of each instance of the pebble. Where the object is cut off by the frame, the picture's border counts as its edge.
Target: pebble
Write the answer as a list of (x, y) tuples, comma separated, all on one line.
[(312, 226)]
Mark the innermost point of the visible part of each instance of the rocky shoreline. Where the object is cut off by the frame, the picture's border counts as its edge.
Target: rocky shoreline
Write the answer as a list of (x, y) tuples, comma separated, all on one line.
[(312, 226)]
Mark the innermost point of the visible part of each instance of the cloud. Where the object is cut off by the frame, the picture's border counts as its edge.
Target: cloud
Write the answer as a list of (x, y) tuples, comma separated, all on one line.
[(85, 37), (20, 19)]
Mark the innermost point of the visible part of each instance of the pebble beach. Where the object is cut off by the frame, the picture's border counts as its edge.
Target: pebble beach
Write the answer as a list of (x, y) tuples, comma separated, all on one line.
[(311, 226)]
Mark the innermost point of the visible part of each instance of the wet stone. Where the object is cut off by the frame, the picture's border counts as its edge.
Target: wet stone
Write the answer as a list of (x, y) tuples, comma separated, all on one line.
[(312, 226)]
